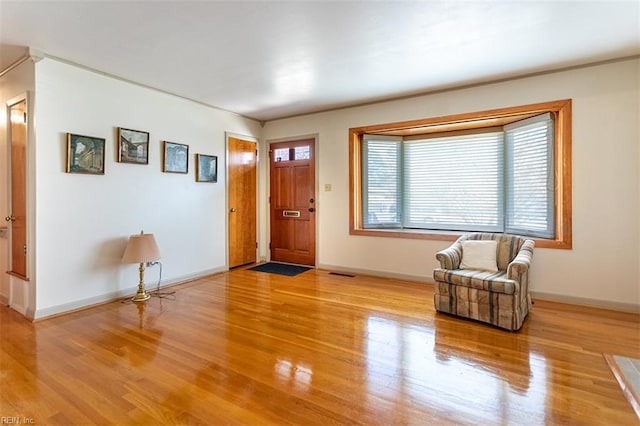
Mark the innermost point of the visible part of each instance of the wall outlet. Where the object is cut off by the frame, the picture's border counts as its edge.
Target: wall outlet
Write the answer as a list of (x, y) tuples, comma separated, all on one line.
[(327, 187)]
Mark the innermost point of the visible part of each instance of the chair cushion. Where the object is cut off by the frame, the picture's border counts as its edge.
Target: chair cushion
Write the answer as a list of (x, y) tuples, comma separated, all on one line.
[(508, 245), (486, 280), (479, 255)]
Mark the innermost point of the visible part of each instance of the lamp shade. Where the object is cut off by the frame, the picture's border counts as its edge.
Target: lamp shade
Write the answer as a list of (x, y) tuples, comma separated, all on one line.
[(141, 248)]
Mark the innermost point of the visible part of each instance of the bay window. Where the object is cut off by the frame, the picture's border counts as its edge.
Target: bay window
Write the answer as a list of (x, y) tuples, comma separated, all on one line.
[(506, 171)]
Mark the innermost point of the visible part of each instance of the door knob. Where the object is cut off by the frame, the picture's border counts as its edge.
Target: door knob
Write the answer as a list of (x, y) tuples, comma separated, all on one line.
[(233, 210), (311, 200), (10, 218), (311, 209)]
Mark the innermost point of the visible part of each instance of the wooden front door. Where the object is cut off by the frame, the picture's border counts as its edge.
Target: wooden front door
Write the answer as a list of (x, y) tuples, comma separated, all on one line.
[(292, 202), (17, 218), (243, 241)]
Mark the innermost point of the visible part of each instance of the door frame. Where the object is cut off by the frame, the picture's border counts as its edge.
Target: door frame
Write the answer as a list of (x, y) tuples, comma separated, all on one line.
[(17, 285), (248, 138), (316, 139)]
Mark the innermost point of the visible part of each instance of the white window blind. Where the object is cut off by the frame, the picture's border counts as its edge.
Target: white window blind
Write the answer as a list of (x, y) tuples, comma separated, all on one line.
[(530, 180), (494, 181), (381, 181), (454, 183)]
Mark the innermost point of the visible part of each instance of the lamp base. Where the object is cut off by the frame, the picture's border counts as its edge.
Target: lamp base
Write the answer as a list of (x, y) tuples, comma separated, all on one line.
[(141, 297), (142, 294)]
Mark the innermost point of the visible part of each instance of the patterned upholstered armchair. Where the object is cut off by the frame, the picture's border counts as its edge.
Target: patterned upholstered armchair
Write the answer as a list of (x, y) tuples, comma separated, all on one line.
[(500, 297)]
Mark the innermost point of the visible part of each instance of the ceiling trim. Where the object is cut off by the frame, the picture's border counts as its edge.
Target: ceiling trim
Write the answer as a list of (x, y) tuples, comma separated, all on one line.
[(464, 86), (137, 83), (38, 55), (16, 64)]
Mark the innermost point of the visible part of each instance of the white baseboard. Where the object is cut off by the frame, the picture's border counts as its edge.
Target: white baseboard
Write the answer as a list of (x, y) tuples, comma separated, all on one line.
[(22, 310), (572, 300), (40, 314), (583, 301), (76, 305), (380, 274)]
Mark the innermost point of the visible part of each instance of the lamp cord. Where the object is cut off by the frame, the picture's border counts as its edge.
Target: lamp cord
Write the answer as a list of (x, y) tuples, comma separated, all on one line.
[(157, 292)]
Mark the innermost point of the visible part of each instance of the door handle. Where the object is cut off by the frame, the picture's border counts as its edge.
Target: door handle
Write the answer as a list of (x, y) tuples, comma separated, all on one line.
[(10, 218), (233, 210)]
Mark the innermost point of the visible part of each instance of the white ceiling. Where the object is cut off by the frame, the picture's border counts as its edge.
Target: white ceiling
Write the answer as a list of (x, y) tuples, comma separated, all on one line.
[(271, 59)]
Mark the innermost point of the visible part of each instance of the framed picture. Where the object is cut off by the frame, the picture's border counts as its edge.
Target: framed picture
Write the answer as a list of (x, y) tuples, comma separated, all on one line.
[(133, 146), (206, 168), (176, 158), (85, 154)]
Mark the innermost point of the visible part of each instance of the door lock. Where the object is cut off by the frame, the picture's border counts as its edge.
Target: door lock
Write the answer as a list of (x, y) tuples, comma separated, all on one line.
[(10, 218)]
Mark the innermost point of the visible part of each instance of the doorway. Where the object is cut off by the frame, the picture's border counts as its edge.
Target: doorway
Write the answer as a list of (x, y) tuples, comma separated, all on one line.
[(17, 218), (293, 201), (242, 164)]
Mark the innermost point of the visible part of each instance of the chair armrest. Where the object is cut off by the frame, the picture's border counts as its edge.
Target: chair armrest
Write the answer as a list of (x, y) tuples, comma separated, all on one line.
[(522, 261), (450, 257)]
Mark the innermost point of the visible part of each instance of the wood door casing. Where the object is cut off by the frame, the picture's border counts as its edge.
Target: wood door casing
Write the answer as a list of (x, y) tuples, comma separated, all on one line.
[(18, 213), (242, 201), (292, 202)]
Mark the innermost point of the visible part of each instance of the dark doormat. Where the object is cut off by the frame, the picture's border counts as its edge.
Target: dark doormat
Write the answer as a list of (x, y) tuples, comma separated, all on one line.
[(280, 269)]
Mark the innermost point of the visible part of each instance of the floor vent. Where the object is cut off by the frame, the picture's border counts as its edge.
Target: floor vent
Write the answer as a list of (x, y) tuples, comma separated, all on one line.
[(342, 274)]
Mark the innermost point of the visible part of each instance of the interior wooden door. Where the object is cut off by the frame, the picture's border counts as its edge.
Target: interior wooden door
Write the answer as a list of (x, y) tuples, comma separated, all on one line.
[(292, 202), (17, 218), (243, 241)]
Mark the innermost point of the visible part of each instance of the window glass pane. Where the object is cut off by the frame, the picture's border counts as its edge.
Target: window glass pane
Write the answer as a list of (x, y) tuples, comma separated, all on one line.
[(454, 183), (281, 154), (302, 153), (381, 181), (530, 200)]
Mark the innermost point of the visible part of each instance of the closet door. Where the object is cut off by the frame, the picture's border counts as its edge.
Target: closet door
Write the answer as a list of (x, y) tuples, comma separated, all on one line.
[(242, 163)]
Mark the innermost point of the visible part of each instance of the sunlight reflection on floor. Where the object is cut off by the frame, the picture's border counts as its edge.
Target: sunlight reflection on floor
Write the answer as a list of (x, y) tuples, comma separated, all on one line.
[(405, 360)]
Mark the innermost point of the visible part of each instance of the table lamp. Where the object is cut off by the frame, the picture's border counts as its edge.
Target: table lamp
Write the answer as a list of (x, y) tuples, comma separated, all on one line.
[(141, 248)]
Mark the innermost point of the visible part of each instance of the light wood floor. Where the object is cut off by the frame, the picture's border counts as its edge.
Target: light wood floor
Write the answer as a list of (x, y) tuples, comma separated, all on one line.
[(253, 348)]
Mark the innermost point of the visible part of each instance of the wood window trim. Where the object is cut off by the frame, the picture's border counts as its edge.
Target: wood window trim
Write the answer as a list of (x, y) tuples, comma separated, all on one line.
[(561, 110)]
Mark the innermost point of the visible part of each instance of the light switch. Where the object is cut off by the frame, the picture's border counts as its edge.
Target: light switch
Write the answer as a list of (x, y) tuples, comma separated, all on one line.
[(3, 231), (327, 187)]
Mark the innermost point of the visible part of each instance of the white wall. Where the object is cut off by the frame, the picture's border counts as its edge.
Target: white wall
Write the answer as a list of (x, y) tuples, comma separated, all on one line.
[(84, 221), (602, 267), (16, 83)]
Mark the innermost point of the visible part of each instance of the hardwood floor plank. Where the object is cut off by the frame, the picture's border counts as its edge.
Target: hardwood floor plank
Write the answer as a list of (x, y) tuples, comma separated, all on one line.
[(245, 347)]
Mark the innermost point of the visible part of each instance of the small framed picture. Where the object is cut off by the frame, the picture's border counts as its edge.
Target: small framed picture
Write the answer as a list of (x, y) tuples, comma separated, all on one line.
[(85, 154), (206, 168), (176, 158), (133, 146)]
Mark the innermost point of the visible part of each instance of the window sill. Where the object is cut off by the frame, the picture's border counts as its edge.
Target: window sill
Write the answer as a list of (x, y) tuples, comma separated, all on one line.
[(415, 234)]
